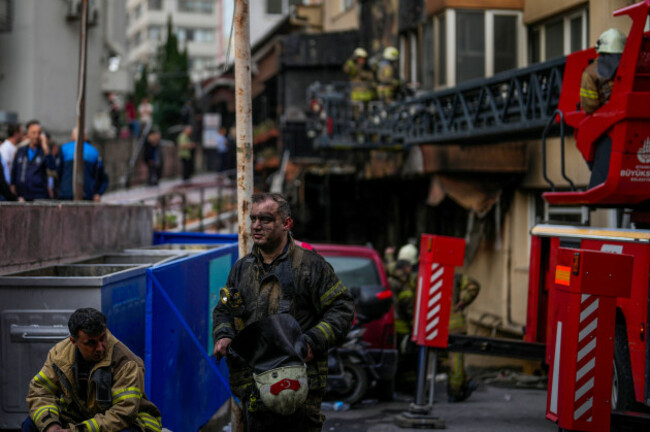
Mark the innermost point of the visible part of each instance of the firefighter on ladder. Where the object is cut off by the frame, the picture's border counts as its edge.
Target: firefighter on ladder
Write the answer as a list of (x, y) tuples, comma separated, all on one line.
[(362, 87), (595, 90)]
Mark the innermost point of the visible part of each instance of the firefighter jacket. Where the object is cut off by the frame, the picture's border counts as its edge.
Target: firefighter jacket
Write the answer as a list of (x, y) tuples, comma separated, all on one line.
[(465, 291), (597, 82), (299, 282), (403, 300), (115, 399), (387, 82), (362, 81)]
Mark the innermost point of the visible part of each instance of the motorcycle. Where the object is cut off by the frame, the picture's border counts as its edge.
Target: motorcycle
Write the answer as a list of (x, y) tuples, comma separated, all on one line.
[(351, 368)]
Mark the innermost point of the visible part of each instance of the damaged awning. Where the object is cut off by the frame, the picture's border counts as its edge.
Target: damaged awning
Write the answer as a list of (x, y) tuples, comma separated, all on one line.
[(488, 158), (477, 195)]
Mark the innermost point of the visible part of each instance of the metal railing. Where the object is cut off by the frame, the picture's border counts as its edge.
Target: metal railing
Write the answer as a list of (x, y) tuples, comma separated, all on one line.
[(513, 104), (195, 207)]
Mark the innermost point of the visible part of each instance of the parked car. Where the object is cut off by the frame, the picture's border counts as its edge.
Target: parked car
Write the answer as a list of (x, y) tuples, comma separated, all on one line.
[(361, 270)]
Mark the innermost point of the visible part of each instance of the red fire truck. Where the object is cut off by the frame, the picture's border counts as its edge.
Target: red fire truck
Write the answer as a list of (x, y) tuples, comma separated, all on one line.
[(626, 120)]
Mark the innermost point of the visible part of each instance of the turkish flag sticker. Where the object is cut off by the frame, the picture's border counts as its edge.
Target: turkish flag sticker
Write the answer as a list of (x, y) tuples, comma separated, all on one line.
[(285, 384)]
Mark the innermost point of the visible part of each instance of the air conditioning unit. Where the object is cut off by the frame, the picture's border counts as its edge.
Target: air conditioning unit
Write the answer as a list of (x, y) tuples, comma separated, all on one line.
[(73, 12)]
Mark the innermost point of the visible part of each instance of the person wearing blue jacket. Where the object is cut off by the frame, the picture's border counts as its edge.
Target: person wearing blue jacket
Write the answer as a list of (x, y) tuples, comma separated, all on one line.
[(95, 178), (33, 168)]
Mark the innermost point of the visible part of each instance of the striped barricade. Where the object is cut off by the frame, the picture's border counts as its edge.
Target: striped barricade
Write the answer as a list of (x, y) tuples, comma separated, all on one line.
[(583, 316), (438, 257)]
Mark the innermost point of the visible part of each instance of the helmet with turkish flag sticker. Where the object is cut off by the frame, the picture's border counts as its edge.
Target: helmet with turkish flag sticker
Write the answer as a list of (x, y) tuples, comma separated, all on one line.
[(283, 389)]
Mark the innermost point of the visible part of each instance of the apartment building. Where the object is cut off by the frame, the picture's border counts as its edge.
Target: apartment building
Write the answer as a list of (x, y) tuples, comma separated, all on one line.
[(198, 24), (39, 42)]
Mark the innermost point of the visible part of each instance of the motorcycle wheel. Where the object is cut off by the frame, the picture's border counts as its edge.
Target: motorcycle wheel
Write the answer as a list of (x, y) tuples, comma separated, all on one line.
[(358, 383)]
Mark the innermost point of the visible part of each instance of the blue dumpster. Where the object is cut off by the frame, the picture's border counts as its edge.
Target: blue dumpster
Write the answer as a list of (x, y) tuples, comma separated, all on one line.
[(182, 378)]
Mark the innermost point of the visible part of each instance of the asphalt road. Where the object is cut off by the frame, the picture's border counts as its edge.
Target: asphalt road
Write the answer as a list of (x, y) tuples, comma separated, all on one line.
[(488, 409)]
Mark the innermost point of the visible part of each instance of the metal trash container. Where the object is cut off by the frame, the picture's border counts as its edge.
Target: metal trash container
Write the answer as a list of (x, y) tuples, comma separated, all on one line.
[(180, 248), (34, 309), (130, 258)]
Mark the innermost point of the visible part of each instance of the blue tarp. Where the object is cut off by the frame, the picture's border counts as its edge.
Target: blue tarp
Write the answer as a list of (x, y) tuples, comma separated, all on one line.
[(182, 378)]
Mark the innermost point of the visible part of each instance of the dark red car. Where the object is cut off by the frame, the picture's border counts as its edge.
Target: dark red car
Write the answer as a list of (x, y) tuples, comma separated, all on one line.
[(361, 267)]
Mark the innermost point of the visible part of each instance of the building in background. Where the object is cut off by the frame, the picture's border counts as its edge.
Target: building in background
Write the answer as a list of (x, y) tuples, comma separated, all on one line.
[(198, 25), (40, 51)]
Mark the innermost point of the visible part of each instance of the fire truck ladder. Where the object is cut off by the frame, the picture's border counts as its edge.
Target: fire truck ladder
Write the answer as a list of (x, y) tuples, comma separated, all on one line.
[(515, 104)]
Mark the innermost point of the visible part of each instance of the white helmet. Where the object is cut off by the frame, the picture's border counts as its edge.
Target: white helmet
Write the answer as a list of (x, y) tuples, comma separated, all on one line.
[(283, 389), (360, 52), (409, 253), (391, 53), (612, 41)]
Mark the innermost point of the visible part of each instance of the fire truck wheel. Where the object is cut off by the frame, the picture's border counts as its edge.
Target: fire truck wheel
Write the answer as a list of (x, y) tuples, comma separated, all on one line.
[(622, 384)]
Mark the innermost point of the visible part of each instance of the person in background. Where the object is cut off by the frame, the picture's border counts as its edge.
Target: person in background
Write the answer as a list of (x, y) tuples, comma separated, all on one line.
[(32, 166), (131, 117), (5, 190), (459, 385), (387, 80), (153, 156), (9, 146), (185, 147), (401, 285), (95, 178), (90, 382), (222, 148), (595, 90), (145, 111), (362, 80)]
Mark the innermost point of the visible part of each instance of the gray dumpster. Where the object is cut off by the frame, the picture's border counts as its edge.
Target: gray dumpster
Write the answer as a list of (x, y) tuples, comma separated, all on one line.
[(180, 248), (131, 258), (34, 309)]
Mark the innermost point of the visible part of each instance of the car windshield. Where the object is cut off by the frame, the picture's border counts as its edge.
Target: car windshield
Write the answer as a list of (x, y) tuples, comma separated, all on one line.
[(355, 271)]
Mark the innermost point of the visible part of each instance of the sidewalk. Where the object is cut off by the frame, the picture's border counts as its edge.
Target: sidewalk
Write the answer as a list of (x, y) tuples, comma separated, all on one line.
[(141, 193)]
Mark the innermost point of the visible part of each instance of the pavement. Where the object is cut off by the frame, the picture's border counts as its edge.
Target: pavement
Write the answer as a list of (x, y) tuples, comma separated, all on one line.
[(144, 192), (490, 408)]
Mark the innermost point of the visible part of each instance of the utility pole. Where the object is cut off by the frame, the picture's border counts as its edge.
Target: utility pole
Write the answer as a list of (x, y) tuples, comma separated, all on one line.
[(78, 172), (244, 119)]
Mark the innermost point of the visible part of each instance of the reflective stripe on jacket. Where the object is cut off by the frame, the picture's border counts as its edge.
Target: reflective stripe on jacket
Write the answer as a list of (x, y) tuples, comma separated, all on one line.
[(594, 89), (115, 399)]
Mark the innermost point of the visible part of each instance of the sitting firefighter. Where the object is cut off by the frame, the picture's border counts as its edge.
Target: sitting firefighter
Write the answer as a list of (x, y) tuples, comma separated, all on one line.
[(595, 90), (460, 386), (362, 81), (90, 382), (387, 81)]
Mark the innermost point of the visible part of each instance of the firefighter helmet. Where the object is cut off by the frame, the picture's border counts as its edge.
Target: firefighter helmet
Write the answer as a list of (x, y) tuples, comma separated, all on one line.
[(391, 53), (612, 41), (409, 253), (360, 52), (283, 389)]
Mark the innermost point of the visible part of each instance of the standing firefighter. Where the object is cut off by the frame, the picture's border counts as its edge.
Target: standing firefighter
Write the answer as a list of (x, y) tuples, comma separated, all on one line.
[(361, 77), (387, 81), (402, 286), (460, 387), (279, 277)]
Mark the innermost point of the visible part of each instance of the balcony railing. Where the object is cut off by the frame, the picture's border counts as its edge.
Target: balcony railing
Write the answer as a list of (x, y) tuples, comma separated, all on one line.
[(514, 104)]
